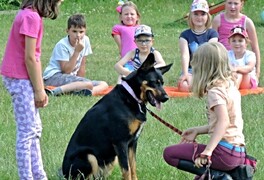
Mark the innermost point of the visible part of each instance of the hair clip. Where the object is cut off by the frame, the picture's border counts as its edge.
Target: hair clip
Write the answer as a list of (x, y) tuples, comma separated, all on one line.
[(119, 7)]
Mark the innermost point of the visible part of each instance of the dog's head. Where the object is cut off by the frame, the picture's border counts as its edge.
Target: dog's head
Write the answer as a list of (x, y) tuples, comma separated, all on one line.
[(147, 82)]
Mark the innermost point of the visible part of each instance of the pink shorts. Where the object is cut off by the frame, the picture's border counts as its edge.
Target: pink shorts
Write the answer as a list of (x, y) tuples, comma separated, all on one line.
[(254, 83)]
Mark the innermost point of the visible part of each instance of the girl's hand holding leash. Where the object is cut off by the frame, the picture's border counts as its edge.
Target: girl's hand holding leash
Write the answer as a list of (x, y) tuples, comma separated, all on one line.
[(189, 135), (202, 160)]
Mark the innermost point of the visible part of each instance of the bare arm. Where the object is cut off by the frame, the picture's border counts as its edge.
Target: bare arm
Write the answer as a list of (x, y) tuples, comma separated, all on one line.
[(247, 68), (117, 39), (219, 130), (68, 66), (35, 72), (185, 58), (159, 60), (119, 66), (82, 70), (189, 135), (216, 22), (254, 43)]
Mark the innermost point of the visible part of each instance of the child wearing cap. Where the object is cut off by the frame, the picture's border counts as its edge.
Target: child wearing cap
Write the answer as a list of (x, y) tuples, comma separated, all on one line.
[(242, 60), (144, 40), (199, 32), (232, 17)]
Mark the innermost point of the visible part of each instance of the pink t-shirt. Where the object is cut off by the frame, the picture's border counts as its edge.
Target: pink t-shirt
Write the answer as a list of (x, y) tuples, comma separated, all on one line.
[(225, 28), (27, 23), (127, 37)]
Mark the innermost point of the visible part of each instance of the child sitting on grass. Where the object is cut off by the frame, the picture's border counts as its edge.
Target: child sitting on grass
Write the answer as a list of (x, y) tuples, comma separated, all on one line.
[(200, 32), (66, 69), (123, 33), (144, 41), (242, 60)]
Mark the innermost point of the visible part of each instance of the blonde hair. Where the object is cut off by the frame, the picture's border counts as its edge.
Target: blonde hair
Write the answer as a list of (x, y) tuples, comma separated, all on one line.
[(211, 68), (207, 24), (134, 6)]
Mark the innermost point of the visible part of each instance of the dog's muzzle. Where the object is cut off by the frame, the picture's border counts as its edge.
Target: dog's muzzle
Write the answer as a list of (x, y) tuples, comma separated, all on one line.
[(156, 100)]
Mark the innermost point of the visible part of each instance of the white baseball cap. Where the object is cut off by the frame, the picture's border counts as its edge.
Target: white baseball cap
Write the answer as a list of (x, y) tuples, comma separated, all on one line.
[(200, 5), (143, 30)]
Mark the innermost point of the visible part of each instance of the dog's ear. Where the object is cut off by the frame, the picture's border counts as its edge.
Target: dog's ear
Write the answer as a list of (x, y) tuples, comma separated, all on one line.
[(164, 69), (148, 63)]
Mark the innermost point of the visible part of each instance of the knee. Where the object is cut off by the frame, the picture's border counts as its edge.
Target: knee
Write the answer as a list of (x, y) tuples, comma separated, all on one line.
[(169, 159), (184, 87), (166, 155), (102, 85), (88, 84)]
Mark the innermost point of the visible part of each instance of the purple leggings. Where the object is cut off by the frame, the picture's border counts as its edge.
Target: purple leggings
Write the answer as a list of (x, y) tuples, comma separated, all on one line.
[(29, 128), (222, 158)]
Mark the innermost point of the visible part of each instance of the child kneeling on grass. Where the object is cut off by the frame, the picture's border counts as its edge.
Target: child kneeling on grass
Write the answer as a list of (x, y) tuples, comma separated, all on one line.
[(66, 69), (225, 150)]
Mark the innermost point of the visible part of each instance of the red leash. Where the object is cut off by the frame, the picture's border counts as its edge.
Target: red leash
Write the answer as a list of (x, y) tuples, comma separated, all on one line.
[(165, 123), (207, 171)]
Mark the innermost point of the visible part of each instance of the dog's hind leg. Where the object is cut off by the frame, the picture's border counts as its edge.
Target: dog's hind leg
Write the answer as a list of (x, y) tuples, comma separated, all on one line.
[(110, 167), (98, 172), (95, 174)]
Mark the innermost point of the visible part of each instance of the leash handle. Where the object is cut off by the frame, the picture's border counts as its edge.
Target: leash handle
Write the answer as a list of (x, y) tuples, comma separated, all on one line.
[(164, 122)]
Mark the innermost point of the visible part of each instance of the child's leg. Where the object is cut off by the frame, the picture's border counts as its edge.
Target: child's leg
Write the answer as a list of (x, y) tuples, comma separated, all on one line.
[(245, 82), (222, 159), (99, 86), (36, 158), (25, 115), (184, 86), (173, 154), (76, 86), (65, 83), (239, 78)]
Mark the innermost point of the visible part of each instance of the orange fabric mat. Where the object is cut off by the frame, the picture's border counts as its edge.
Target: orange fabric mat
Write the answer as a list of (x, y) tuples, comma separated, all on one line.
[(173, 91)]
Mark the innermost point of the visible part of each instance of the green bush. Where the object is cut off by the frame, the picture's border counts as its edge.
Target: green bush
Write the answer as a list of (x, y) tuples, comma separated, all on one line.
[(9, 4)]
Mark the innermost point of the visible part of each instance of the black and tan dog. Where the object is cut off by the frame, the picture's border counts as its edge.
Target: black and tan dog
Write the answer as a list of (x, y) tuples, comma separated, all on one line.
[(112, 126)]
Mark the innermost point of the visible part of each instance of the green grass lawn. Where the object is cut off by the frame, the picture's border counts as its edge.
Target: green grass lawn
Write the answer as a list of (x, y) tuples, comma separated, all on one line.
[(63, 113)]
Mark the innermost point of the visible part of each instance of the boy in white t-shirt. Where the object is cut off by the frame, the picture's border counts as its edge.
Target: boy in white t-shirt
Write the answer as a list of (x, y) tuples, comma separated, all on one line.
[(66, 69)]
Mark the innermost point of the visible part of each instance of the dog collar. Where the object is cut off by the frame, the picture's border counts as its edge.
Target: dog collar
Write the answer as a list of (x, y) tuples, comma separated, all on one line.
[(130, 90)]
